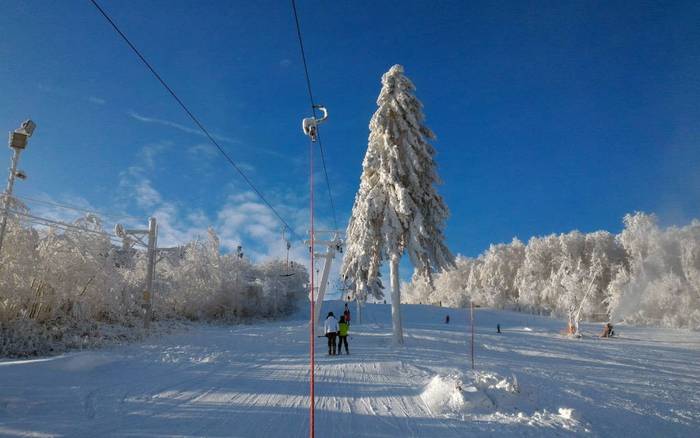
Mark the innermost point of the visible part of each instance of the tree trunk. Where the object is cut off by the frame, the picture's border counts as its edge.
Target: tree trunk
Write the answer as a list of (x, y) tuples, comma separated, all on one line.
[(359, 311), (396, 300)]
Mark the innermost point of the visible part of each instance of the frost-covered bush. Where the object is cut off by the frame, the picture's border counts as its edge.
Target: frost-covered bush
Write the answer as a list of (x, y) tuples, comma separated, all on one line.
[(644, 275), (72, 288)]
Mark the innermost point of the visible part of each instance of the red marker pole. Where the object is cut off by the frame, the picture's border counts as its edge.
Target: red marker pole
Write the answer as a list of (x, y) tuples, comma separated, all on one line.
[(471, 318), (312, 336)]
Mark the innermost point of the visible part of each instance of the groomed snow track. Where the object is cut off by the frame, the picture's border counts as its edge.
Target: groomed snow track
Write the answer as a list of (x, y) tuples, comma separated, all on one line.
[(252, 381)]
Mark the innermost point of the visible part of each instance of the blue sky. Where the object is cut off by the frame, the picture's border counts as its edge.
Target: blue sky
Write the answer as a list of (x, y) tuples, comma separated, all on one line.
[(550, 116)]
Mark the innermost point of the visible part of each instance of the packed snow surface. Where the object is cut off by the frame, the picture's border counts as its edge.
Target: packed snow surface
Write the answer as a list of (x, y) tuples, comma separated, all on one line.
[(252, 380)]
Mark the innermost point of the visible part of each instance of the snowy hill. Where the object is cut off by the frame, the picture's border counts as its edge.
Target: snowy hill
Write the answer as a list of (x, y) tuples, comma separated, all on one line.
[(252, 380)]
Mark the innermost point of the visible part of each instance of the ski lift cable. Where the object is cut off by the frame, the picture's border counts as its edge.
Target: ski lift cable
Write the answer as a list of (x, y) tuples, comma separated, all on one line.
[(62, 228), (68, 227), (113, 240), (62, 224), (91, 248), (191, 115), (69, 207), (313, 110)]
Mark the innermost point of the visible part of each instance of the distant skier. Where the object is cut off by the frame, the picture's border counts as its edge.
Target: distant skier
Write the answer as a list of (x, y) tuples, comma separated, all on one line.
[(498, 328), (346, 314), (330, 327), (343, 328), (608, 331), (447, 319)]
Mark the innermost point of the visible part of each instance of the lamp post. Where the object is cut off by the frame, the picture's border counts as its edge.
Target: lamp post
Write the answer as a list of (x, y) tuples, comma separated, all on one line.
[(17, 142)]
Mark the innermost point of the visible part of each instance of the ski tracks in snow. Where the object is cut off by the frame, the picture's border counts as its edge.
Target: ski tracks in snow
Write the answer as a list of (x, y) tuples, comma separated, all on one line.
[(249, 381)]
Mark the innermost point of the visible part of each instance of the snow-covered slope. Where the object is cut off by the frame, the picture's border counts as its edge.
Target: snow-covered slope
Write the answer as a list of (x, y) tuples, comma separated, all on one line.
[(252, 380)]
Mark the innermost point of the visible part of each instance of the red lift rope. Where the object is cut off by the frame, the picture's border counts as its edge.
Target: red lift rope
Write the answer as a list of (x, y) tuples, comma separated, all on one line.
[(312, 336)]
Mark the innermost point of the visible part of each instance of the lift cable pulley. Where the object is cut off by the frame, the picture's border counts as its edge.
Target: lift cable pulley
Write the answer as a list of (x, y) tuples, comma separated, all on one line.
[(310, 124)]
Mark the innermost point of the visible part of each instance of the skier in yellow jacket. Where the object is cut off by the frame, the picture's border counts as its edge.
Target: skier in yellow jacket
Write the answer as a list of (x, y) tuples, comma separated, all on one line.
[(343, 328)]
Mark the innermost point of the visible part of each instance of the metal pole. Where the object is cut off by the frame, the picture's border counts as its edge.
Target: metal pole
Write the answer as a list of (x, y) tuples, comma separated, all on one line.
[(8, 193), (150, 269), (312, 334), (471, 318), (329, 255)]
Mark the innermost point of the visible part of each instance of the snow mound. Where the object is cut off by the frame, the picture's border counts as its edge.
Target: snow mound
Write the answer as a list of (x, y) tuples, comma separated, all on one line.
[(566, 413), (445, 395), (490, 397), (493, 381), (457, 394), (565, 419)]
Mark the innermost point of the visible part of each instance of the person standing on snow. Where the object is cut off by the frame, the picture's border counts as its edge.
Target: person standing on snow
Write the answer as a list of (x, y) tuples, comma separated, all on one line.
[(346, 314), (330, 327), (343, 328)]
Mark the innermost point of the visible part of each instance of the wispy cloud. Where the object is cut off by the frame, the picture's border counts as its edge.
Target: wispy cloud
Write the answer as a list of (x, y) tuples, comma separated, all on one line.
[(146, 195), (246, 167), (201, 147), (240, 219), (200, 150), (203, 156), (136, 116), (68, 94), (96, 100), (148, 153)]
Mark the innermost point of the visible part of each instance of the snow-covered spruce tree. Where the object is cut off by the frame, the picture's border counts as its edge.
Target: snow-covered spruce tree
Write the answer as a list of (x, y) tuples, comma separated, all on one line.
[(397, 208)]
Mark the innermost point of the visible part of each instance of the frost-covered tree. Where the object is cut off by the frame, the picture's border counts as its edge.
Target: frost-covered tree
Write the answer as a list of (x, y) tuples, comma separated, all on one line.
[(59, 286), (498, 271), (397, 209), (451, 285), (534, 275), (418, 290), (644, 275)]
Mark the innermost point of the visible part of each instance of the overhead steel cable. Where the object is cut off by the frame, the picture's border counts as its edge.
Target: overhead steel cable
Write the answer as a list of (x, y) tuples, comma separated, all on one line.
[(191, 115), (94, 248), (313, 110), (62, 225), (70, 207)]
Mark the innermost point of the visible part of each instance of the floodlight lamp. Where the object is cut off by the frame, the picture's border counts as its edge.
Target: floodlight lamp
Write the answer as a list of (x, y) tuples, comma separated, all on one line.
[(18, 140), (27, 128)]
